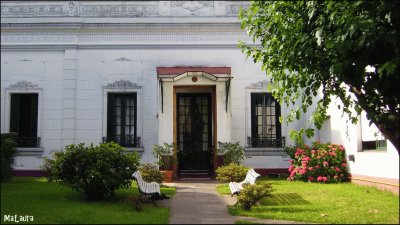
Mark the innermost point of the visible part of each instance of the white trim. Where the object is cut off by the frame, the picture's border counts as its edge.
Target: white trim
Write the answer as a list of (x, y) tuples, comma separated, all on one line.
[(130, 88)]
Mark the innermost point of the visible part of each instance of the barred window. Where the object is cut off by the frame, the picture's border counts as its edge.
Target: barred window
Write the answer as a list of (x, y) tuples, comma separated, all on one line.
[(265, 125), (122, 119)]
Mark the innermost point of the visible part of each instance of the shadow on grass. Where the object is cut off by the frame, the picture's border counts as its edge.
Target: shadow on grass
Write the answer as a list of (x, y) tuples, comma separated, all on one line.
[(285, 199)]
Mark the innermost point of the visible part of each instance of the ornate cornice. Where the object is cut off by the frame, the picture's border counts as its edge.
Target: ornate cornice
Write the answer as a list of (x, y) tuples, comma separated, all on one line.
[(23, 85), (115, 37), (121, 84), (10, 9)]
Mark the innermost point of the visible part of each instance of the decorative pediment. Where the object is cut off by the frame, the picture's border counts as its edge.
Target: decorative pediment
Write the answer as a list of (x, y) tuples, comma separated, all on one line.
[(122, 84), (259, 85), (24, 85)]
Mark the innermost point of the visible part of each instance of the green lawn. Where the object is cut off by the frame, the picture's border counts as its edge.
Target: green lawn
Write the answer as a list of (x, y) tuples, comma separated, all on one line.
[(323, 203), (52, 203)]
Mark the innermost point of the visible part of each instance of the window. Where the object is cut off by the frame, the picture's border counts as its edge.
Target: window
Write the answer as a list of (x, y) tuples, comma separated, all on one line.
[(24, 119), (122, 119), (265, 125), (374, 145)]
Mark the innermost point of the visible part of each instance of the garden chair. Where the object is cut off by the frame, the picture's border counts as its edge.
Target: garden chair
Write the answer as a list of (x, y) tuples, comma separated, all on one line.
[(151, 191), (251, 177)]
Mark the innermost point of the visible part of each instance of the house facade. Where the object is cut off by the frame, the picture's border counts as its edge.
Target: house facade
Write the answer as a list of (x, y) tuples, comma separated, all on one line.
[(142, 73)]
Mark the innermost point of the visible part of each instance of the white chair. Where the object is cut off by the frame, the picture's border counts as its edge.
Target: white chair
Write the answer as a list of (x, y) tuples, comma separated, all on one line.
[(251, 177), (149, 190)]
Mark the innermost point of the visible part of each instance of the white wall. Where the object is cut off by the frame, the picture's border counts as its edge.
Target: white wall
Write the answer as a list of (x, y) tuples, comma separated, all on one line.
[(383, 164)]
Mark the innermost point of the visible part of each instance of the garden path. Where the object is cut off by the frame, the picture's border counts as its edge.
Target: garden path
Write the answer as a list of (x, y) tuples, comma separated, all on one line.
[(197, 202)]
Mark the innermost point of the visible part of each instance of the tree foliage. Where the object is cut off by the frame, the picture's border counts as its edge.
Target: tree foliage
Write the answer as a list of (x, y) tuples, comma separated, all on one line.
[(313, 47)]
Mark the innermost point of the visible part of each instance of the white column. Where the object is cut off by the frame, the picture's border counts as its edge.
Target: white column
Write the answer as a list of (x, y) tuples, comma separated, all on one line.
[(69, 97)]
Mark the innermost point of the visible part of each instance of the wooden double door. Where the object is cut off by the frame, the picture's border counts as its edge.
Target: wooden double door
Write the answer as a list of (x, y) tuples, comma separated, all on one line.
[(194, 132)]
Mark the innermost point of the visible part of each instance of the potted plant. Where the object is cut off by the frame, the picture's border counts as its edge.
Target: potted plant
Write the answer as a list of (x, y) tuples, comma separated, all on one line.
[(165, 157)]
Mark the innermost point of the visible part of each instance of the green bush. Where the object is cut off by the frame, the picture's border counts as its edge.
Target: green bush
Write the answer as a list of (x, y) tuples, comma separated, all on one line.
[(8, 153), (231, 172), (150, 173), (233, 152), (96, 171), (250, 195), (164, 155)]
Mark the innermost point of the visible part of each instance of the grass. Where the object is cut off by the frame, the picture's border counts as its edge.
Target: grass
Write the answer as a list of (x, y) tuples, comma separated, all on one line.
[(344, 203), (53, 203)]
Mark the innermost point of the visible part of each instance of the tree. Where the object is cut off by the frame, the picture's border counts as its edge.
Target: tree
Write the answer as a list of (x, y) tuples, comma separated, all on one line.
[(307, 47)]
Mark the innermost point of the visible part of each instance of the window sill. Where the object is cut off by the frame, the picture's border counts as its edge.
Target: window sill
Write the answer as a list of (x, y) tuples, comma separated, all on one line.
[(265, 151), (139, 150), (374, 151), (29, 151)]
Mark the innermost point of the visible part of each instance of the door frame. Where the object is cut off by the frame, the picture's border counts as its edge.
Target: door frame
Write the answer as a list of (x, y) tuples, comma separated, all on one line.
[(213, 119)]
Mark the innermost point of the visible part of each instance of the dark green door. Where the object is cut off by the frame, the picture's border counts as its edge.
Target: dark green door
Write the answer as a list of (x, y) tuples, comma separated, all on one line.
[(194, 132)]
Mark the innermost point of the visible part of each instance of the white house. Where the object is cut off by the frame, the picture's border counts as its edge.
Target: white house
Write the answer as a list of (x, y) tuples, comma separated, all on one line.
[(143, 73)]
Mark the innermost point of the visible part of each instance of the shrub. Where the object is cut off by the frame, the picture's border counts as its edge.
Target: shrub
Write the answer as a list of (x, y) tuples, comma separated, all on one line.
[(231, 172), (96, 171), (8, 153), (165, 155), (252, 194), (290, 150), (150, 173), (233, 152), (324, 163)]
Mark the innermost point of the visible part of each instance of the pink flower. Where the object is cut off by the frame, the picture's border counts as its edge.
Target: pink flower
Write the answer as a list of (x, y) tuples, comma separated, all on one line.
[(324, 179), (310, 178), (319, 178), (303, 171), (292, 174), (318, 157), (333, 149), (310, 168), (332, 154), (290, 161), (313, 152), (344, 165), (325, 163), (290, 168), (337, 169), (317, 166), (342, 175), (304, 163), (335, 177), (341, 148)]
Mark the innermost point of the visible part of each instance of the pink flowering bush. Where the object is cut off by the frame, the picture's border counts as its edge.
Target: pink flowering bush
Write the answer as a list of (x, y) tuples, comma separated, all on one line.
[(321, 162)]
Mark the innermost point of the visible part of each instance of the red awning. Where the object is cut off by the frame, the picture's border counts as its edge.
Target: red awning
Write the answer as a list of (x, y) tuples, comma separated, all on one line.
[(175, 71)]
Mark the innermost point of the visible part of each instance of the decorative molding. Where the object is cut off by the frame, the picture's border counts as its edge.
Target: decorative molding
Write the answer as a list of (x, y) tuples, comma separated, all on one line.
[(192, 8), (123, 59), (233, 8), (121, 84), (121, 10), (258, 85), (10, 9), (115, 37), (24, 85)]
